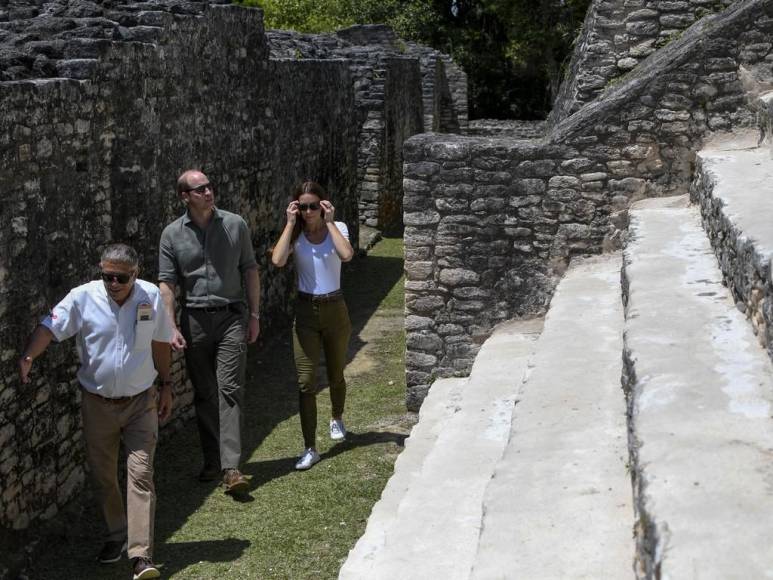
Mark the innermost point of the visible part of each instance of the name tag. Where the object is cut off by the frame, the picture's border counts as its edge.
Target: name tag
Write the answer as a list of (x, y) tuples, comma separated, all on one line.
[(144, 312)]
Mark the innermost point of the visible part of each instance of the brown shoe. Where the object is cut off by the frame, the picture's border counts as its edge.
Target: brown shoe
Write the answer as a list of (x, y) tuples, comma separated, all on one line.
[(234, 481)]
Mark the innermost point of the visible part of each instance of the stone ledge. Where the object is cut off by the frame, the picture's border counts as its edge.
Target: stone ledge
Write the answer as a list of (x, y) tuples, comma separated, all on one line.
[(699, 393)]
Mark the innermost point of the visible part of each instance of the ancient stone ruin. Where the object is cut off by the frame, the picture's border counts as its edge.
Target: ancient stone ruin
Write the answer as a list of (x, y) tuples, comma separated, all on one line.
[(491, 222), (628, 244), (529, 459), (105, 103)]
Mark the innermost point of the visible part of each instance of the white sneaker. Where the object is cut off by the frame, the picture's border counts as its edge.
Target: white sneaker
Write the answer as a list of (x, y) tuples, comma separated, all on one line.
[(309, 458), (337, 429)]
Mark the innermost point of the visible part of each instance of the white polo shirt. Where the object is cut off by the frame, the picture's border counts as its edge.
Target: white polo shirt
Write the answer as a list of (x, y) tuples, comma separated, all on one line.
[(318, 265), (113, 345)]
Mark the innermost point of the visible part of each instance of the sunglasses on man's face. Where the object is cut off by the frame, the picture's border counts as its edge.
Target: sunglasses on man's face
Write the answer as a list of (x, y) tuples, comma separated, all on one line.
[(121, 278), (201, 189), (308, 206)]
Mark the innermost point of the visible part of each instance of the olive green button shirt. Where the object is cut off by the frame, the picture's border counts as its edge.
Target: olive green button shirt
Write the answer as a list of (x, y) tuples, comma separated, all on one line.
[(208, 265)]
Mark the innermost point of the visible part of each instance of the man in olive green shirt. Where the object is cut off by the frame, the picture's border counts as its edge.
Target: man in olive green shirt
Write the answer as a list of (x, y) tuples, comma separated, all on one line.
[(208, 253)]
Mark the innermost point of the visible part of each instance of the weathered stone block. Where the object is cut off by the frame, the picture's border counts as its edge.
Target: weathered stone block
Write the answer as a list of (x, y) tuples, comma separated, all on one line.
[(425, 305), (419, 360), (421, 218), (458, 277), (419, 270), (563, 181), (424, 341)]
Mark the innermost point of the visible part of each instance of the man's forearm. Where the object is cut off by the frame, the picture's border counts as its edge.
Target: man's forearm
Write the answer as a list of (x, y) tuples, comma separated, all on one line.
[(252, 282), (167, 296), (162, 359), (38, 342)]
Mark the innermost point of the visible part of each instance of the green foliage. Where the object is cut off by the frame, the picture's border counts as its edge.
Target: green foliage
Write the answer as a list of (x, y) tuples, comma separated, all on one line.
[(512, 50)]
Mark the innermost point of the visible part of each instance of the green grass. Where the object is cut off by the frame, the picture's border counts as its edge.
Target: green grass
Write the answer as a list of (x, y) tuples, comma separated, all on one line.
[(292, 524)]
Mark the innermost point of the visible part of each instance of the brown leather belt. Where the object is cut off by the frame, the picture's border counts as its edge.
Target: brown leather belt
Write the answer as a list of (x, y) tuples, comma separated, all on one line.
[(329, 297), (113, 400)]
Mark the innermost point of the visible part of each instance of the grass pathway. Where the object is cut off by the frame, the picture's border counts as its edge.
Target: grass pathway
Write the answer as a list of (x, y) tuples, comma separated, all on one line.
[(292, 524)]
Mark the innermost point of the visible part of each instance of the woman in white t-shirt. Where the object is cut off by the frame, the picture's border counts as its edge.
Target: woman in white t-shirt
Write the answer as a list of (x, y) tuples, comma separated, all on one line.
[(319, 245)]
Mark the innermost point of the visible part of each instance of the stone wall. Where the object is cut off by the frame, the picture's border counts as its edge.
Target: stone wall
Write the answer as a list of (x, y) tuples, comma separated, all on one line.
[(511, 129), (402, 119), (384, 67), (616, 36), (88, 161), (743, 260), (491, 222)]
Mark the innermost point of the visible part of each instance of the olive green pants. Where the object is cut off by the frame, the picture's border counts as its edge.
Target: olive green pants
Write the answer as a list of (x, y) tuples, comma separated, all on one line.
[(320, 326)]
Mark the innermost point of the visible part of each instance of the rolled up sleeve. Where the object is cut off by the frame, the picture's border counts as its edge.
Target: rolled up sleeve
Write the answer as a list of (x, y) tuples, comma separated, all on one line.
[(247, 253), (65, 319), (167, 262)]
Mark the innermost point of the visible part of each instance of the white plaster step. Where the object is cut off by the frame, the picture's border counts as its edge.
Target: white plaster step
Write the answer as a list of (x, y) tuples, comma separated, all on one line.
[(433, 531), (559, 505), (441, 403), (700, 393)]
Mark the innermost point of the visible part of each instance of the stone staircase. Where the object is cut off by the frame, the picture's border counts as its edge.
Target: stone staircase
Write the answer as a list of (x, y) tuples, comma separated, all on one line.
[(526, 468)]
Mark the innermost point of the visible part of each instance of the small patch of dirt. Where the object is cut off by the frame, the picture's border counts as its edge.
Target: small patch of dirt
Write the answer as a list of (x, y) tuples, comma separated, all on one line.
[(365, 342)]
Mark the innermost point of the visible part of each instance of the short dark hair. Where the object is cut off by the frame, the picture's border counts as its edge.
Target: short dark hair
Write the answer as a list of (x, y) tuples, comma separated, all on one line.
[(120, 253)]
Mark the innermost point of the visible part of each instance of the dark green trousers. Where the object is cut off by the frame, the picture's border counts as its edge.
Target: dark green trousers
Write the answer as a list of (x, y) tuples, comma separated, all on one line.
[(320, 326), (215, 358)]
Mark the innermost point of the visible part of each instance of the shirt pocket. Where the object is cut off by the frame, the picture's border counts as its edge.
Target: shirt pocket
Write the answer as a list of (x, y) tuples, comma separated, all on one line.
[(143, 334)]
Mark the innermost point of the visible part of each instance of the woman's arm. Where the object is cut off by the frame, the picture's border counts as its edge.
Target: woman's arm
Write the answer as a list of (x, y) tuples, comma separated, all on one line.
[(282, 249), (343, 247)]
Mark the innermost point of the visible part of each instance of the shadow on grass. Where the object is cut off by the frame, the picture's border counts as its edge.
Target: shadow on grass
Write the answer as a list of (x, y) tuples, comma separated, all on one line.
[(180, 555), (263, 472), (270, 399)]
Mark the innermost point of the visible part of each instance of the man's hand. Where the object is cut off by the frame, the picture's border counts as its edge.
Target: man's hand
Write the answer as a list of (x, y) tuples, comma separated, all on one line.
[(165, 398), (253, 330), (25, 364), (177, 342)]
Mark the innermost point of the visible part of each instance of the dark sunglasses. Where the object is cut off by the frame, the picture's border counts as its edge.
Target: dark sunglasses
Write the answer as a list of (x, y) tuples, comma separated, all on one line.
[(113, 277), (307, 206), (201, 189)]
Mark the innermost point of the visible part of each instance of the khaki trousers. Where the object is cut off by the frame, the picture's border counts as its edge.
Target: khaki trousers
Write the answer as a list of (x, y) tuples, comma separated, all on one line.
[(105, 425)]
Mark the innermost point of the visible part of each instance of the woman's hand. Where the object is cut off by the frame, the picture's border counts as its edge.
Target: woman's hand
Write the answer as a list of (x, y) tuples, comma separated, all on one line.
[(329, 210), (292, 212)]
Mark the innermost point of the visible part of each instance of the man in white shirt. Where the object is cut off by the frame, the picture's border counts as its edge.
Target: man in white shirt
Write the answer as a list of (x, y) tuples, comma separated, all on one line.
[(122, 335)]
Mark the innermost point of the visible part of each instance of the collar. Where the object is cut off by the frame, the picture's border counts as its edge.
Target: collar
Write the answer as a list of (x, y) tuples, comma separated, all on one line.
[(132, 297), (216, 215)]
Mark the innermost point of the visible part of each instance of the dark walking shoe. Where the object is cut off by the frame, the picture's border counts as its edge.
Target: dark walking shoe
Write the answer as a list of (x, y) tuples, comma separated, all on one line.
[(145, 569), (209, 473), (111, 552), (234, 481)]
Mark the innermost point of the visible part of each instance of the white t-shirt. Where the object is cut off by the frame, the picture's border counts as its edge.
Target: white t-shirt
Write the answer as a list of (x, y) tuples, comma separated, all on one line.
[(318, 265), (113, 345)]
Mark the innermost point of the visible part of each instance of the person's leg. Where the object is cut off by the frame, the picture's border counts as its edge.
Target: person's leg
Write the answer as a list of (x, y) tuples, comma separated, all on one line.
[(102, 435), (231, 363), (200, 364), (336, 330), (140, 433), (307, 347)]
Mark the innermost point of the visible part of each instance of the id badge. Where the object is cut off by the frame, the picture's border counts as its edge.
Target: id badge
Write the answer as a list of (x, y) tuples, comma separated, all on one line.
[(144, 312)]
